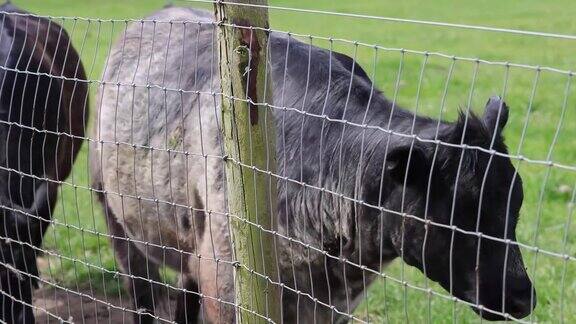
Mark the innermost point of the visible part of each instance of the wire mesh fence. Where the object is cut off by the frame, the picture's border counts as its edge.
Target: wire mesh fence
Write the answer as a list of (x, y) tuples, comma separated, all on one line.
[(460, 203)]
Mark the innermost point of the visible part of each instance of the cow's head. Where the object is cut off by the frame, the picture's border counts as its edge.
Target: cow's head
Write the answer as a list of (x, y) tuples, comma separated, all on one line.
[(466, 203)]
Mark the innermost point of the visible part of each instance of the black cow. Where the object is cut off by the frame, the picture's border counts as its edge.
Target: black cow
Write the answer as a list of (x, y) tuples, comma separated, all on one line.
[(41, 110), (146, 184)]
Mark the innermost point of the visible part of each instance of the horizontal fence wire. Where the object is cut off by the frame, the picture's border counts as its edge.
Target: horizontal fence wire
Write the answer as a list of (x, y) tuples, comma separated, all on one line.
[(391, 19), (326, 272)]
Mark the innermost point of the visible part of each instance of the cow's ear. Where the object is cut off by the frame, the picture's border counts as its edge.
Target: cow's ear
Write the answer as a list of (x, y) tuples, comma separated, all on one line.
[(495, 114), (408, 164)]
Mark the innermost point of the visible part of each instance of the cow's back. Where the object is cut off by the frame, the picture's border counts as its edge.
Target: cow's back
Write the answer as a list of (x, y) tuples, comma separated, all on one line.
[(160, 98)]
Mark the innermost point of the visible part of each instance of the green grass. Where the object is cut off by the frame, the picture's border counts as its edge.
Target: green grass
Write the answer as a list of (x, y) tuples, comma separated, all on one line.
[(542, 223)]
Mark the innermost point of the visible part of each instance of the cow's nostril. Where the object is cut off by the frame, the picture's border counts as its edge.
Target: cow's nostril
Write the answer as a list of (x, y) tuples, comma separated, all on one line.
[(520, 307), (521, 299)]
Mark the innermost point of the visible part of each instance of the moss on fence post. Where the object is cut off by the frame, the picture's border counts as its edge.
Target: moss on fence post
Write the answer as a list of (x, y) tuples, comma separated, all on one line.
[(249, 140)]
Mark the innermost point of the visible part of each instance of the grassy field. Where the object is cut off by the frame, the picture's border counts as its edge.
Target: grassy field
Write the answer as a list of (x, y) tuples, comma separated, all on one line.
[(550, 128)]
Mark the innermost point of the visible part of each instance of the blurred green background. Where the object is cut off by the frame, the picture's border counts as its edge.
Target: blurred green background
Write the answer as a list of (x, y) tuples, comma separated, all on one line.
[(80, 252)]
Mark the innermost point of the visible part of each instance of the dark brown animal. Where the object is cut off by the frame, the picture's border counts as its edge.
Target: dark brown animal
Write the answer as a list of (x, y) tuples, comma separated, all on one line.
[(43, 111)]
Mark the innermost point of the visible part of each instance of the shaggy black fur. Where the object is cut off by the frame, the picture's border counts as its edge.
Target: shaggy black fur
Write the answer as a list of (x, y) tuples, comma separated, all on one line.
[(468, 188)]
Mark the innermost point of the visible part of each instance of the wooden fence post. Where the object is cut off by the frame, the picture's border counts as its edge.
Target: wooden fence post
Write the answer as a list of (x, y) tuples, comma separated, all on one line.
[(249, 140)]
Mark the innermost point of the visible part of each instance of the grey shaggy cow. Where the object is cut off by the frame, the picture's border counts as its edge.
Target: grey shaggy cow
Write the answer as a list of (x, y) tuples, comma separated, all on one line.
[(145, 183)]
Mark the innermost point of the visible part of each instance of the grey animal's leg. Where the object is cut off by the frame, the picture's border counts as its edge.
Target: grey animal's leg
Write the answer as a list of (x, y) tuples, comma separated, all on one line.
[(216, 281), (188, 302), (150, 299)]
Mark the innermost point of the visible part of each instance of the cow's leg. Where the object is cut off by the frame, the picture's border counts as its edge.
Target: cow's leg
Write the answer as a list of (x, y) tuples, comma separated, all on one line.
[(188, 302), (142, 275), (17, 281), (22, 230), (215, 276)]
